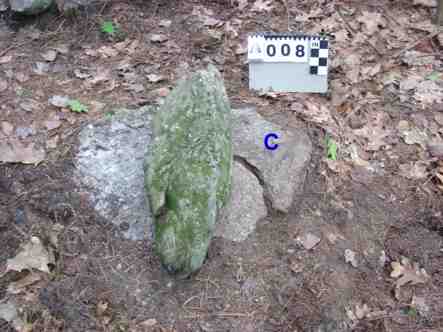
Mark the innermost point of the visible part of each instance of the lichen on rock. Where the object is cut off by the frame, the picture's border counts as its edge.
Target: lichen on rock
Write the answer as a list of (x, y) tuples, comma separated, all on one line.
[(188, 170)]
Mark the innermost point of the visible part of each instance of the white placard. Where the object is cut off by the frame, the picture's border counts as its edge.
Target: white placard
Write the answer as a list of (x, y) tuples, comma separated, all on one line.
[(285, 50), (278, 49)]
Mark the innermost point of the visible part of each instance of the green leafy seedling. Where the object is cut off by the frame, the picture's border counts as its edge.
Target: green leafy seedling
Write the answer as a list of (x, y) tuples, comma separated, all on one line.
[(109, 28), (435, 76), (411, 312), (109, 114), (331, 148), (78, 107)]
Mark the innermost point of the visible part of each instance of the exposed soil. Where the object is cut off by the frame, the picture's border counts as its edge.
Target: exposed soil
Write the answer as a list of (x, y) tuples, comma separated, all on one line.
[(102, 282)]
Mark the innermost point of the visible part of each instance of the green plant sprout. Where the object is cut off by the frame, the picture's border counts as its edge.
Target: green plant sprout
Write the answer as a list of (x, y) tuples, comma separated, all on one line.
[(331, 148), (78, 107), (435, 76), (109, 28)]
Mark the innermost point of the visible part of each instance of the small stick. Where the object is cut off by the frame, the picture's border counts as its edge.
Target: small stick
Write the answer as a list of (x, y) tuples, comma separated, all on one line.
[(419, 41), (189, 300), (288, 18), (6, 50)]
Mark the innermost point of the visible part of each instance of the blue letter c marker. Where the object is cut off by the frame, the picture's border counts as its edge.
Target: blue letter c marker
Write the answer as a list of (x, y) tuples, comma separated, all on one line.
[(269, 145)]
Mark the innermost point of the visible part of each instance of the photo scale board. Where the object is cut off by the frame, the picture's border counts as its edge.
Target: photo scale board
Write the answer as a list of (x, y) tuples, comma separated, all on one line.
[(288, 62)]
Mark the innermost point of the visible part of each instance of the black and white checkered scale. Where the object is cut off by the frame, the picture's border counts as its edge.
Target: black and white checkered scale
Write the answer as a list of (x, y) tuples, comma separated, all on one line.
[(318, 58)]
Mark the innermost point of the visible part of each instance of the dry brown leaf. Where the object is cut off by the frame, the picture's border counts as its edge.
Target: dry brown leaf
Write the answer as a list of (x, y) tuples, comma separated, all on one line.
[(121, 46), (13, 151), (414, 170), (50, 55), (374, 132), (19, 286), (3, 85), (52, 142), (52, 124), (425, 3), (242, 4), (7, 128), (80, 74), (63, 49), (102, 307), (33, 255), (5, 59), (414, 136), (154, 78), (361, 311), (408, 273), (318, 113), (91, 52), (165, 23), (158, 38), (308, 240), (133, 47), (103, 75), (22, 77), (352, 67), (262, 6), (149, 322), (371, 21), (107, 51), (428, 92)]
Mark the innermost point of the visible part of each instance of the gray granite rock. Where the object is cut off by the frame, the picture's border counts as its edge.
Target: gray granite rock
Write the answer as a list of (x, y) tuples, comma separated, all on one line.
[(246, 206), (30, 7), (282, 170), (110, 163)]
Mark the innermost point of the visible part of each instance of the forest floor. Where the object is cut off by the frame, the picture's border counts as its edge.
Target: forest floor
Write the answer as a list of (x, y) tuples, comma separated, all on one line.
[(383, 113)]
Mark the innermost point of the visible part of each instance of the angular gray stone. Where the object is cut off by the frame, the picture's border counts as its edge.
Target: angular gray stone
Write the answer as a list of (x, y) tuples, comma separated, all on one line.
[(30, 7), (245, 208), (188, 170), (282, 170), (110, 163)]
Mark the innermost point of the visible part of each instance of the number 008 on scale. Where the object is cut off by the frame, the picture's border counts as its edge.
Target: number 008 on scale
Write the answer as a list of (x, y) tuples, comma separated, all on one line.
[(282, 50)]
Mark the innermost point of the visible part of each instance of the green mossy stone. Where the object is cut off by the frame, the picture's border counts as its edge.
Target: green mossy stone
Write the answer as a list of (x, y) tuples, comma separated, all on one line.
[(188, 170), (30, 7)]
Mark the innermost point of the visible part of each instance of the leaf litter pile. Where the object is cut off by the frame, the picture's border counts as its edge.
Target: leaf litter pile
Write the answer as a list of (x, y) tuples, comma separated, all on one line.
[(382, 118)]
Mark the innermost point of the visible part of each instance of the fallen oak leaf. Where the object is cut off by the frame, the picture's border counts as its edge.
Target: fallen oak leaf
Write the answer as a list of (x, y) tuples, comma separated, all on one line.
[(13, 151), (408, 273), (33, 255)]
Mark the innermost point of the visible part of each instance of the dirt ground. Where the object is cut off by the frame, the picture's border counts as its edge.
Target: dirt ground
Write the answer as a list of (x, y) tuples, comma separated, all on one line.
[(102, 282)]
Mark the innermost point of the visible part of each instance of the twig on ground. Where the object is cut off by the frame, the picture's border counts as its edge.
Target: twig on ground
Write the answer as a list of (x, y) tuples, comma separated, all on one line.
[(189, 300), (219, 314), (419, 41), (6, 50), (288, 14)]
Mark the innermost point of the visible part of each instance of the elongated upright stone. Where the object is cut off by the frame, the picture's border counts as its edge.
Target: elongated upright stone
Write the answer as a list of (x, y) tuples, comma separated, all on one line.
[(188, 170)]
